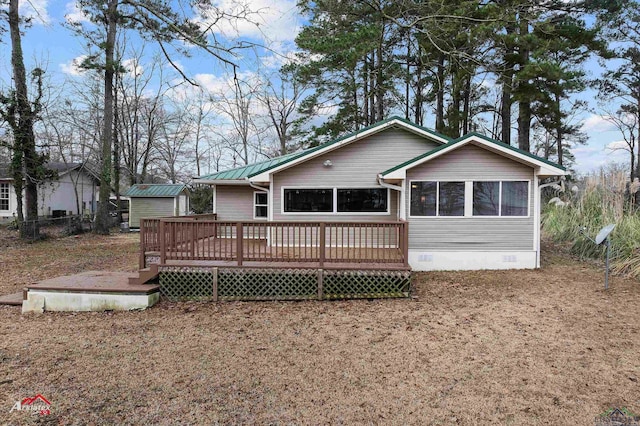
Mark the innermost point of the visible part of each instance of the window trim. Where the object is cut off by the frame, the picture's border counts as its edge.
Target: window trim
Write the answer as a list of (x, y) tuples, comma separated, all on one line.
[(335, 211), (255, 204), (468, 211), (8, 198)]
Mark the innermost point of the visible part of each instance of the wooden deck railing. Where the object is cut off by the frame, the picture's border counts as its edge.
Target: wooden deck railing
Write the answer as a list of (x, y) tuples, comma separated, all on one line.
[(185, 238), (150, 230)]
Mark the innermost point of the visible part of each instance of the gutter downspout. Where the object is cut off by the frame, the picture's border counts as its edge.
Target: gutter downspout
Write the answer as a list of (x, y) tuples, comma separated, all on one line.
[(401, 208)]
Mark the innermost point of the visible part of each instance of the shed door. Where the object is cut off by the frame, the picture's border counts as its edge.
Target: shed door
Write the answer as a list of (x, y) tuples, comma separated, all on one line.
[(182, 205)]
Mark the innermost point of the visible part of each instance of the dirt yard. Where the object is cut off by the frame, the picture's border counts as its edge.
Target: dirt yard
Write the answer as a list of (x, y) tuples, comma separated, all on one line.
[(521, 347)]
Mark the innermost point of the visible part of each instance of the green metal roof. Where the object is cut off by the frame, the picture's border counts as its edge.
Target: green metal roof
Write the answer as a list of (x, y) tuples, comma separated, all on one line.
[(251, 169), (257, 168), (465, 137), (154, 190)]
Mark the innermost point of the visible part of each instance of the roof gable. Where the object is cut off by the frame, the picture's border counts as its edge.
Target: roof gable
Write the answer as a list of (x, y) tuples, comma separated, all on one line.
[(261, 170), (155, 190), (547, 167)]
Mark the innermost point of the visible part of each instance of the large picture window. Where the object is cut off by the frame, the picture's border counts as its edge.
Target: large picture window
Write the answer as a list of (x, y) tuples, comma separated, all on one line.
[(4, 196), (370, 200), (437, 199), (308, 200)]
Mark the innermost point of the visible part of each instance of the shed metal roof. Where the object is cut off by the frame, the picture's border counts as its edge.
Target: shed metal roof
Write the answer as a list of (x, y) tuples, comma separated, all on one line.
[(155, 190)]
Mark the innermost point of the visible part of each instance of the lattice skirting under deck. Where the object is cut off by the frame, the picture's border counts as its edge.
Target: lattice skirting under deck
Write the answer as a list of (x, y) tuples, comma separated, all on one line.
[(201, 283)]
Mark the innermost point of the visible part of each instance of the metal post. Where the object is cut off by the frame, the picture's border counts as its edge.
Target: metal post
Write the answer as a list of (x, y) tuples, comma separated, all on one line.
[(606, 272)]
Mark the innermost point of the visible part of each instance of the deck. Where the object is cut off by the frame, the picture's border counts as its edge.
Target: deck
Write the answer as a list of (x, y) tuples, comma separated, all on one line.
[(255, 260)]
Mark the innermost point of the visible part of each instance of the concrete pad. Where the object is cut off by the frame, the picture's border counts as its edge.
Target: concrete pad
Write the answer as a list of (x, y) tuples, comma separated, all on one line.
[(91, 291), (33, 304)]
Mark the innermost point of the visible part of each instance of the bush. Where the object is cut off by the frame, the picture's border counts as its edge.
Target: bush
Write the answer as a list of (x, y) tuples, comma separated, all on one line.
[(605, 199)]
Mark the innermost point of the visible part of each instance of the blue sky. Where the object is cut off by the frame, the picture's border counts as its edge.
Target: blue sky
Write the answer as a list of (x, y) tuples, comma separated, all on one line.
[(50, 45)]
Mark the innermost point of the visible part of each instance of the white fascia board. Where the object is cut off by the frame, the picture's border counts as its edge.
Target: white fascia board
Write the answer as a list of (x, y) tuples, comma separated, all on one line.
[(264, 177), (544, 169)]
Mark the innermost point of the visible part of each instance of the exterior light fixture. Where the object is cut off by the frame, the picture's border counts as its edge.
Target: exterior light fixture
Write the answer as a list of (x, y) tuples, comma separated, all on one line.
[(327, 163)]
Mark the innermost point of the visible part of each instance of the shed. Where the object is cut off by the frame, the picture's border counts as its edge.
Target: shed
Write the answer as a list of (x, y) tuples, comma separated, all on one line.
[(156, 200)]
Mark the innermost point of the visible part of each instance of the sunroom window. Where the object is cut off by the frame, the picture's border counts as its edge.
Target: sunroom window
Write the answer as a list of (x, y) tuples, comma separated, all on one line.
[(308, 200), (437, 199), (501, 198), (370, 200), (515, 199)]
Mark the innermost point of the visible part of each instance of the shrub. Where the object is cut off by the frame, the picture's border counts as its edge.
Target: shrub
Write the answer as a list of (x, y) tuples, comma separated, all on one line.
[(604, 199)]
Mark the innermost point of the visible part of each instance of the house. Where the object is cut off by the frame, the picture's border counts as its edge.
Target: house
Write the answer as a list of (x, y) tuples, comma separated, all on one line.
[(468, 203), (73, 191), (156, 200)]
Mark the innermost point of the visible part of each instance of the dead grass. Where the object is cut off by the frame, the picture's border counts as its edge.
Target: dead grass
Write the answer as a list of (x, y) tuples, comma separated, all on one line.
[(518, 347)]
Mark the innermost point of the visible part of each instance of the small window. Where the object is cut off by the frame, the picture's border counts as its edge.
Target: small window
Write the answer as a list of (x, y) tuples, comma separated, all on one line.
[(486, 198), (4, 196), (451, 199), (515, 199), (260, 200), (308, 200), (423, 198), (372, 200)]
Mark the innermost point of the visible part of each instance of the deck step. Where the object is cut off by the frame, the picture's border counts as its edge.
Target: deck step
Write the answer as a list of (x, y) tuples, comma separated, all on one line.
[(144, 275)]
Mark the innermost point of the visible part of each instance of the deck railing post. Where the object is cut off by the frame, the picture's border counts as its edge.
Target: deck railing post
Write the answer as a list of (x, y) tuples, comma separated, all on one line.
[(143, 249), (323, 242), (163, 243), (239, 238), (405, 248)]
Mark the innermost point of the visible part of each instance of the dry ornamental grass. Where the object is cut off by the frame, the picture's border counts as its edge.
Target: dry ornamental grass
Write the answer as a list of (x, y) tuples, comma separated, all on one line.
[(492, 347)]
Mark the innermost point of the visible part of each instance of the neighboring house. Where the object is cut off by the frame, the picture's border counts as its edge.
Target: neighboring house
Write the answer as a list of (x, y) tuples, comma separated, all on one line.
[(156, 200), (72, 192), (470, 203)]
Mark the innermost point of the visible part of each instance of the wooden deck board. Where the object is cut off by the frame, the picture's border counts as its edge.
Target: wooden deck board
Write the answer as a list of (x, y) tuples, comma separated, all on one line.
[(292, 265), (95, 282), (14, 299)]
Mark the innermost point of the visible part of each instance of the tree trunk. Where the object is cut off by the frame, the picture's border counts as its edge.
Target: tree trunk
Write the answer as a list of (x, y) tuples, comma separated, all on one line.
[(25, 161), (102, 215), (524, 104), (559, 131), (116, 153), (440, 95), (524, 125)]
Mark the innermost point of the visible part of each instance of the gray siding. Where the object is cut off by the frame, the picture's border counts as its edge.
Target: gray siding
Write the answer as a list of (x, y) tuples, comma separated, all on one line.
[(149, 207), (354, 166), (234, 203), (471, 233)]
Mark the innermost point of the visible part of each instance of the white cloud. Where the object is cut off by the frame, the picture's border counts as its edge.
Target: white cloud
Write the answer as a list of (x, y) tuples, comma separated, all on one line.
[(73, 14), (133, 67), (597, 123), (36, 10), (73, 66), (617, 145), (267, 20)]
